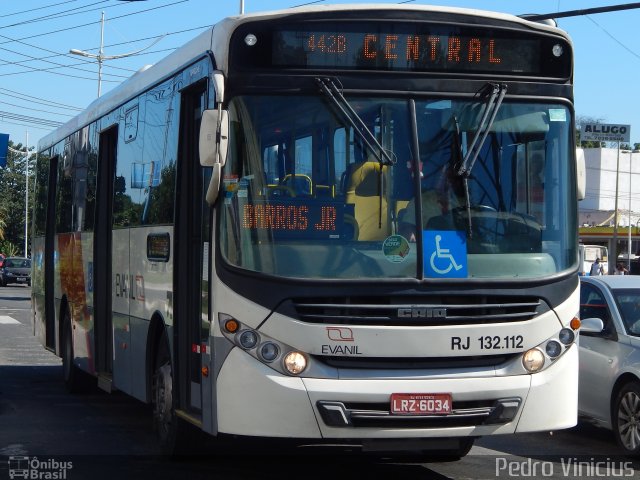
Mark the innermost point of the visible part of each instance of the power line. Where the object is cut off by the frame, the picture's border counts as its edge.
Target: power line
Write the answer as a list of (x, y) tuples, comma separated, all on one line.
[(63, 13), (91, 23), (57, 65), (39, 8), (42, 101), (35, 109), (614, 38), (26, 118), (51, 70), (56, 54), (29, 125)]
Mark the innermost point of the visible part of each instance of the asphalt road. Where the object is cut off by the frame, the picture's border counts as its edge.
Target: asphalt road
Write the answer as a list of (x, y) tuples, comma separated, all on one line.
[(47, 433)]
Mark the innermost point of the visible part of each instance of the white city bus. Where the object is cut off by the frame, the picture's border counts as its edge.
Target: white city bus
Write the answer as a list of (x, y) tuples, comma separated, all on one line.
[(332, 224)]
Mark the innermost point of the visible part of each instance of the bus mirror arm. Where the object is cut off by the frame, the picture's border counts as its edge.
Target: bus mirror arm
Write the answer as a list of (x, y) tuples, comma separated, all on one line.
[(213, 147), (214, 184)]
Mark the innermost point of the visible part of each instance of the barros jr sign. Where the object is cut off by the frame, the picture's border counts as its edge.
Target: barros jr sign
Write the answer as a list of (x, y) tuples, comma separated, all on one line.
[(600, 132)]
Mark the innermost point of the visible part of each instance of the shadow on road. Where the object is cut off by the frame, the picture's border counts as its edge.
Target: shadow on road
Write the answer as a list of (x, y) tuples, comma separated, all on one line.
[(106, 436)]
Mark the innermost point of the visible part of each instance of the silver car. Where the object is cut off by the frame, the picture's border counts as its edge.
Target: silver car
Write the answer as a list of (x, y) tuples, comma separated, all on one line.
[(609, 384)]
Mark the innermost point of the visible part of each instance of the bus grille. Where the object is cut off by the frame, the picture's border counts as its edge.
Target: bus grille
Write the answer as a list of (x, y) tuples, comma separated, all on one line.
[(417, 363), (418, 311), (463, 414)]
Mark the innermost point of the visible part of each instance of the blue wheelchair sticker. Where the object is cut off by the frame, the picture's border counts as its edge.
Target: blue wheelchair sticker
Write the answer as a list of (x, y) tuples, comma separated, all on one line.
[(445, 254)]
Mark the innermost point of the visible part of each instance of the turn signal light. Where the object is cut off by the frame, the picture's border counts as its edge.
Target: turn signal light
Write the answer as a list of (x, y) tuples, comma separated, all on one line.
[(575, 323), (231, 325)]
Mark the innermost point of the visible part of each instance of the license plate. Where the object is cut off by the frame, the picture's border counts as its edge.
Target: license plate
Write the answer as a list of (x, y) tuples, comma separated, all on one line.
[(420, 403), (22, 279)]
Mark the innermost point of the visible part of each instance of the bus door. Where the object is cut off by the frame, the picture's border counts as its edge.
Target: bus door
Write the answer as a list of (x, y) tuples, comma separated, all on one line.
[(102, 256), (191, 264), (49, 246)]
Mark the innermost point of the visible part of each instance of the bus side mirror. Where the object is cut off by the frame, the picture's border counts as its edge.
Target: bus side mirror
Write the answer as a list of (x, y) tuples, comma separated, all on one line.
[(213, 147), (581, 174)]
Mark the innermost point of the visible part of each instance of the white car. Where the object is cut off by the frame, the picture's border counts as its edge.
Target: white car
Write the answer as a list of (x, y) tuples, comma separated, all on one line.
[(609, 383)]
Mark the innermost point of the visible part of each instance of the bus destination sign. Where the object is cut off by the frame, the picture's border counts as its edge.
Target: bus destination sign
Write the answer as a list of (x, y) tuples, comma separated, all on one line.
[(294, 219), (418, 47)]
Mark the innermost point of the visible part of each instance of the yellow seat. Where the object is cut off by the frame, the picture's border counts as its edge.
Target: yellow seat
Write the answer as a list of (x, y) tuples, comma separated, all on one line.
[(363, 191), (299, 183)]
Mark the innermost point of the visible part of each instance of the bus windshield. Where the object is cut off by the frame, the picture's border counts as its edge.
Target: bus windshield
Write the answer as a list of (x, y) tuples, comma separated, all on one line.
[(308, 195)]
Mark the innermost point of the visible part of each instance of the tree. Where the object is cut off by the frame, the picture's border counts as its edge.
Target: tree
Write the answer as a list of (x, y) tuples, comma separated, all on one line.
[(12, 197), (580, 122)]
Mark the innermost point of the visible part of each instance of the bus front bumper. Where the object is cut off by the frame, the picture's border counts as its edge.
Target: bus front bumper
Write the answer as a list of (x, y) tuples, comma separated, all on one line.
[(254, 400)]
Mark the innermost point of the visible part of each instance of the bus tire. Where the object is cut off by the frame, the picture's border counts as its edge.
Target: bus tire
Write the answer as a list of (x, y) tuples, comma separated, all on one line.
[(169, 428), (74, 379)]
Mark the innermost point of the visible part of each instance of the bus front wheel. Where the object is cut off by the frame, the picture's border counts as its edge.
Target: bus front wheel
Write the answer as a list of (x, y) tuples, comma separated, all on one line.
[(172, 432), (164, 416)]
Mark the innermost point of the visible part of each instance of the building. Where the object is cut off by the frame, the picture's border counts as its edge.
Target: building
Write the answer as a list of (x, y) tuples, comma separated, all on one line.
[(597, 212)]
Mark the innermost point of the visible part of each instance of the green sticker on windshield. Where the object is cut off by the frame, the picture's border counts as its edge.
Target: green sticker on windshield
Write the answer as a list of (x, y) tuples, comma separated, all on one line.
[(396, 248), (557, 115)]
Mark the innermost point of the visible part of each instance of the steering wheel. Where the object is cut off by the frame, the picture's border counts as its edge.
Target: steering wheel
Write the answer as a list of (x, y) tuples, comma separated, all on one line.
[(280, 191)]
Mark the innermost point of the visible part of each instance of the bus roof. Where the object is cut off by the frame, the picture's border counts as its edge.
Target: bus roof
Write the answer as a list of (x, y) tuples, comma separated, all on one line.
[(215, 39)]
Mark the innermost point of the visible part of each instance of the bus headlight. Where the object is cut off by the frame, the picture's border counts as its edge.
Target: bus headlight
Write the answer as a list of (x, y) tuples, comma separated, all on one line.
[(533, 360), (553, 349), (265, 349), (295, 362), (269, 351), (566, 336), (248, 339)]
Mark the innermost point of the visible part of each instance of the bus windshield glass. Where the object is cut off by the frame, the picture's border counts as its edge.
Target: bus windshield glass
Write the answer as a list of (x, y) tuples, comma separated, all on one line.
[(306, 194)]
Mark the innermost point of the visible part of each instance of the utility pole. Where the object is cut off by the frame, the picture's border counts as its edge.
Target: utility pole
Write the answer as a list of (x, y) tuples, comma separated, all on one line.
[(101, 57), (615, 215), (26, 199)]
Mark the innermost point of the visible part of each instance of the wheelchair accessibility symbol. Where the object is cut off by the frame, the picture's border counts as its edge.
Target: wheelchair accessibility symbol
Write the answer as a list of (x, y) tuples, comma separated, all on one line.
[(445, 254)]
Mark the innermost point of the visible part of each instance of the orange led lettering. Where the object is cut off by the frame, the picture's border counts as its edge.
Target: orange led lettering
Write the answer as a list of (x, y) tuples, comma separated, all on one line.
[(433, 47), (248, 218), (390, 46), (327, 219), (369, 51), (337, 44), (321, 44), (277, 217), (280, 217), (474, 50), (413, 47), (453, 50), (303, 222), (492, 57)]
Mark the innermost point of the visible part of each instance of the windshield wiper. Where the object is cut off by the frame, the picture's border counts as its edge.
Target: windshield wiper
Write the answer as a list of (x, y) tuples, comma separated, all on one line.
[(333, 93), (494, 96), (329, 88)]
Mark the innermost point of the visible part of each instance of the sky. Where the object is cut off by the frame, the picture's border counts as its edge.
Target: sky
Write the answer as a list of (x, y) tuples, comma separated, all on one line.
[(41, 84)]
